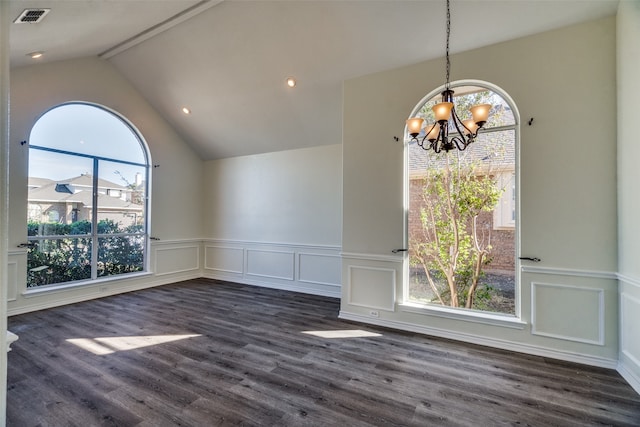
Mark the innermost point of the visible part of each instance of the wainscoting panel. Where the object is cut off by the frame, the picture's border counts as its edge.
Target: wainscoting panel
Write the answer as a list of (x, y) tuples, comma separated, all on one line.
[(271, 264), (372, 287), (12, 281), (630, 315), (176, 259), (567, 312), (629, 357), (300, 268), (224, 259), (320, 269)]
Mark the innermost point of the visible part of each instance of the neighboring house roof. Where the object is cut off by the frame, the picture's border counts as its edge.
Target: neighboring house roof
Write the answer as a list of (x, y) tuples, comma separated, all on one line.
[(494, 150), (38, 182), (86, 180), (50, 193)]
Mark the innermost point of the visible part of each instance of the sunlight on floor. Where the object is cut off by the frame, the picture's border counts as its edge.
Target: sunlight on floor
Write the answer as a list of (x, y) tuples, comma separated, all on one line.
[(346, 333), (108, 345)]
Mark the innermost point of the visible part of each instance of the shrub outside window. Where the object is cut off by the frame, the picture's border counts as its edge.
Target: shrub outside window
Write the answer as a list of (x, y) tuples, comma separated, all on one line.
[(87, 196)]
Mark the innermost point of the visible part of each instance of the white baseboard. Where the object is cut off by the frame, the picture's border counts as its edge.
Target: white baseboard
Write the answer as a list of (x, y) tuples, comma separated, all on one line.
[(114, 289), (489, 342), (630, 376)]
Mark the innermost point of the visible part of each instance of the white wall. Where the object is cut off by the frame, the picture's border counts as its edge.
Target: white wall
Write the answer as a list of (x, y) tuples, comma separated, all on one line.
[(275, 219), (628, 32), (176, 192), (565, 79), (4, 208)]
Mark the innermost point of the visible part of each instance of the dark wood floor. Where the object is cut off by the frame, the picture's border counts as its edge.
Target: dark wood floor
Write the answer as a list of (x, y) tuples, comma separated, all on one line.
[(250, 363)]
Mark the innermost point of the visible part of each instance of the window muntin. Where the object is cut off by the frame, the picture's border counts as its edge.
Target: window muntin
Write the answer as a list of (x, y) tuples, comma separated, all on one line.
[(100, 225)]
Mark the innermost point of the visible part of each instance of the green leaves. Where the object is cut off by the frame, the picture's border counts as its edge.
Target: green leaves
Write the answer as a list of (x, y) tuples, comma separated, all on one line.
[(453, 249)]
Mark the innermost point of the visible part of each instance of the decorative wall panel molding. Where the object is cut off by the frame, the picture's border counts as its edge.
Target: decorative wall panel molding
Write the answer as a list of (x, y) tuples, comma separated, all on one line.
[(314, 269), (320, 269), (629, 321), (12, 281), (372, 287), (568, 312), (225, 259), (271, 264), (176, 259), (488, 341), (569, 272)]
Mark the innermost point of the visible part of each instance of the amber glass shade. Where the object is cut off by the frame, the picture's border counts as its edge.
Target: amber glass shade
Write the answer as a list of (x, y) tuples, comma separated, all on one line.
[(433, 133), (480, 113), (414, 125), (471, 126), (442, 111)]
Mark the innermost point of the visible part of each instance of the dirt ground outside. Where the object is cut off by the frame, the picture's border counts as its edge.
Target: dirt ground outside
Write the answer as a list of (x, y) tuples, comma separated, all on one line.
[(500, 287)]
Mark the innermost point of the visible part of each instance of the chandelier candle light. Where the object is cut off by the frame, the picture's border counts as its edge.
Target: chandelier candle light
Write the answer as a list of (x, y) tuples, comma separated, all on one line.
[(446, 118)]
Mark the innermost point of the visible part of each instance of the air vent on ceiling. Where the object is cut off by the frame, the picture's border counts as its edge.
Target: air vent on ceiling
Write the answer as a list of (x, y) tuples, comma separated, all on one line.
[(31, 16)]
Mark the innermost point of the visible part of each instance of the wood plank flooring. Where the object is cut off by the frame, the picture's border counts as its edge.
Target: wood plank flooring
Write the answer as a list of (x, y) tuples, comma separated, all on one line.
[(249, 362)]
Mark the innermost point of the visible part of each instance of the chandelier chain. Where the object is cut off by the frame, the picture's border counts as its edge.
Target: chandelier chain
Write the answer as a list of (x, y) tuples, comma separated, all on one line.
[(447, 50)]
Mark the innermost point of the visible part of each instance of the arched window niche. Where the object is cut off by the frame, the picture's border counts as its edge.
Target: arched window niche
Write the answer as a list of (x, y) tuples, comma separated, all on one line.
[(462, 211), (88, 216)]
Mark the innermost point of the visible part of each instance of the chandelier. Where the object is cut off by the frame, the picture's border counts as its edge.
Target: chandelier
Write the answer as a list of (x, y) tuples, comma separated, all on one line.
[(448, 131)]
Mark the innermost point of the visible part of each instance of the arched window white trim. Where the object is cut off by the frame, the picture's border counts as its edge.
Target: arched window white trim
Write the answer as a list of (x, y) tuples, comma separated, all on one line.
[(502, 217), (92, 166)]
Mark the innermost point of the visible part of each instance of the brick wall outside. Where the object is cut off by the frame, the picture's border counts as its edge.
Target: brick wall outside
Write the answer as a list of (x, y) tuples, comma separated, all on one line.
[(502, 240)]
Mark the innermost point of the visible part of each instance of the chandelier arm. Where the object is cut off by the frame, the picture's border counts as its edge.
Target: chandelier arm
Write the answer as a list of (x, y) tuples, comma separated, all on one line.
[(457, 122), (457, 140)]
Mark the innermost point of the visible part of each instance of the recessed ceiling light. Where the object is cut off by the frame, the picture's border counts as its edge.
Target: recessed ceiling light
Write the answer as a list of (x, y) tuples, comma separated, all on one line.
[(35, 55), (291, 81), (186, 110)]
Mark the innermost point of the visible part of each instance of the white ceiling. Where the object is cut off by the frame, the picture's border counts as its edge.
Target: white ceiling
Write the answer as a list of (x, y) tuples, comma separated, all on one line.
[(228, 61)]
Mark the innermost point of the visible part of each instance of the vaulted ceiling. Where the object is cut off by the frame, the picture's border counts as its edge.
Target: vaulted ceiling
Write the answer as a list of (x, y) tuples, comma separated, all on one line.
[(227, 61)]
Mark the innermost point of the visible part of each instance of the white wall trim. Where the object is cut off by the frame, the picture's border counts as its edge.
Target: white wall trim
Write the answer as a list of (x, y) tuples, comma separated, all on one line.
[(489, 342), (184, 270), (372, 257), (569, 272), (114, 289), (155, 243), (534, 331), (290, 277), (314, 282), (286, 273), (291, 286), (623, 337), (629, 376), (12, 282), (226, 248), (20, 251), (392, 299), (464, 315), (270, 244), (629, 280)]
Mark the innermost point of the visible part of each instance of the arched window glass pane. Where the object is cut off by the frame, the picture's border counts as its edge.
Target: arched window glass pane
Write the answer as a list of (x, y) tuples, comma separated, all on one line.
[(86, 129), (462, 211), (87, 198)]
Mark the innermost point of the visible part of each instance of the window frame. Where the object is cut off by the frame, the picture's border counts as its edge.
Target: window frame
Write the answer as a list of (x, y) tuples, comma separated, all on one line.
[(94, 235), (502, 319)]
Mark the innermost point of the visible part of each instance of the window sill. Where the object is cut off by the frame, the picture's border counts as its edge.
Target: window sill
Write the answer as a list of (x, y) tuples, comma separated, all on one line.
[(50, 289), (502, 320)]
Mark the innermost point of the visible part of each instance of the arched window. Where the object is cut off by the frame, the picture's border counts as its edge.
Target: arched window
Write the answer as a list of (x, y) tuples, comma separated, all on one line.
[(89, 176), (462, 209)]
